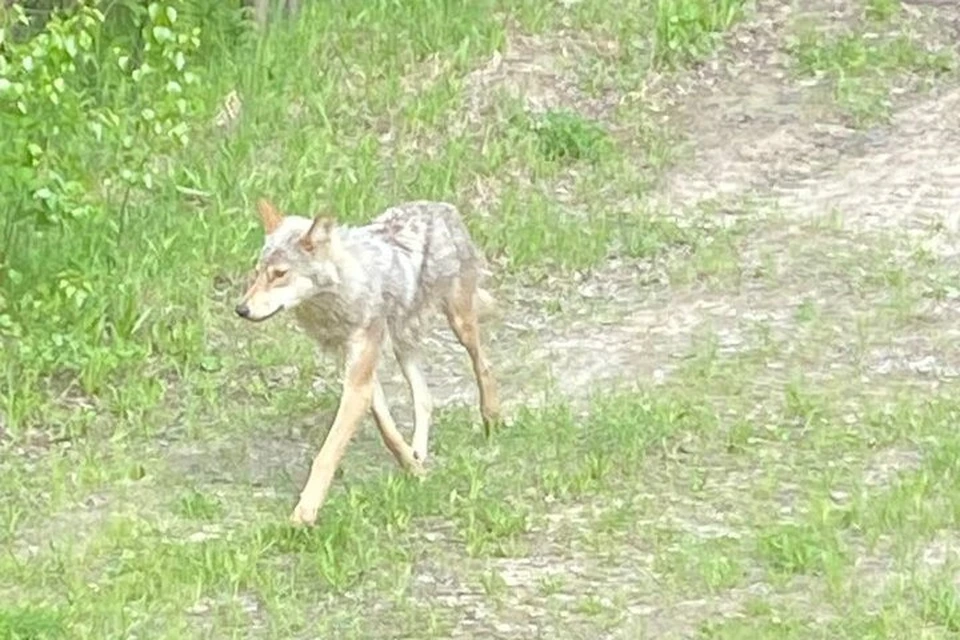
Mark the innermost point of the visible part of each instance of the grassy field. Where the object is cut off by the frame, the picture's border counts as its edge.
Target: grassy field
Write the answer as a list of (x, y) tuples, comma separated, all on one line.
[(723, 238)]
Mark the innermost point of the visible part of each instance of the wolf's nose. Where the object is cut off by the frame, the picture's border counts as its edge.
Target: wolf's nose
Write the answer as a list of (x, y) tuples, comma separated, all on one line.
[(242, 310)]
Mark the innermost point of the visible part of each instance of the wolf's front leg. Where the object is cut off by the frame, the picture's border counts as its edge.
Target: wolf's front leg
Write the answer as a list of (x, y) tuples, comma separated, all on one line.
[(363, 351)]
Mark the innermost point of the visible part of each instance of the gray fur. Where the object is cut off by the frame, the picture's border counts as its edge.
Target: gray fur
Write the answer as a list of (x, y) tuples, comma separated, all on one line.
[(392, 270)]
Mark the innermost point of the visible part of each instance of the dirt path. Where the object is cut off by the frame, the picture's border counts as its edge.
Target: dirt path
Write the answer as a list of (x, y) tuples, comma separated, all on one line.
[(755, 133)]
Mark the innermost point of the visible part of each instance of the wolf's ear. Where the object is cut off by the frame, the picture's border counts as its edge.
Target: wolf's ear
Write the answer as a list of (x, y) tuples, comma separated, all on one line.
[(269, 215), (320, 233)]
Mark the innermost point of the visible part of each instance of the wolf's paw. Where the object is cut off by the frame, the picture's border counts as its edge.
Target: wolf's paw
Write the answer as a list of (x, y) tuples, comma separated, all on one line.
[(304, 514), (493, 422), (416, 467)]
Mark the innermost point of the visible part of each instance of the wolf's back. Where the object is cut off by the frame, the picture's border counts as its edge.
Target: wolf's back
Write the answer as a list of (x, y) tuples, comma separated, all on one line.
[(436, 240)]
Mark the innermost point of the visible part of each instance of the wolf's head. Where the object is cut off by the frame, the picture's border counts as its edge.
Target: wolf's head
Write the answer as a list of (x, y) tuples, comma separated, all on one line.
[(299, 260)]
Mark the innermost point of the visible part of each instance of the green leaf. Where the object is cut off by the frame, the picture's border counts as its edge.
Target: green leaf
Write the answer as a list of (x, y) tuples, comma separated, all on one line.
[(70, 44), (162, 34)]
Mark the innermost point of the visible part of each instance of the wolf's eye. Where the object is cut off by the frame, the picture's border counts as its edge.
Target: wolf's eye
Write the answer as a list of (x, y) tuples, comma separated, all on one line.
[(276, 274)]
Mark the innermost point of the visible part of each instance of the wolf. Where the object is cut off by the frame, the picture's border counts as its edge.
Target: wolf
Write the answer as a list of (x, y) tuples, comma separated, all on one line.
[(357, 289)]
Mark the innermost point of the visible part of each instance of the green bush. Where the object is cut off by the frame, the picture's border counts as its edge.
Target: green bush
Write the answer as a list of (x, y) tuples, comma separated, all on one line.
[(93, 114)]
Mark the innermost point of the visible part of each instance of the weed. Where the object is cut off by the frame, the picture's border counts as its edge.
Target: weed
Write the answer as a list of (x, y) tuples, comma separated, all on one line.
[(565, 136), (197, 505), (801, 548), (689, 29), (881, 10), (34, 623), (939, 604), (862, 69)]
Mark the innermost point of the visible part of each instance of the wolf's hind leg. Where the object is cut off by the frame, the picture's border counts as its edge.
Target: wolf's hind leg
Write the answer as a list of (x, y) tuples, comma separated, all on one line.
[(422, 400), (461, 312), (392, 438)]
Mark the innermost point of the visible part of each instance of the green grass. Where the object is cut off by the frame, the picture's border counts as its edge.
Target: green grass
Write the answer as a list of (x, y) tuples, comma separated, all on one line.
[(863, 69), (881, 10), (688, 29), (33, 623), (151, 446), (605, 489), (564, 136)]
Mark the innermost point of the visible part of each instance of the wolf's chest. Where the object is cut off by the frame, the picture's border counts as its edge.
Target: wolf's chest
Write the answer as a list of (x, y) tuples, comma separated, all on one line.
[(327, 321)]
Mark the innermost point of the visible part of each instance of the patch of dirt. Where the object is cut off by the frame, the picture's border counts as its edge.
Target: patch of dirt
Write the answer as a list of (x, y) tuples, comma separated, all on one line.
[(887, 464), (907, 180), (749, 122), (755, 128), (941, 551), (540, 71), (568, 592)]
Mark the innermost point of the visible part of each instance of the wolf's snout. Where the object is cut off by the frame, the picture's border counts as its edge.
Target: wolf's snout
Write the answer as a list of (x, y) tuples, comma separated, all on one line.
[(243, 310)]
